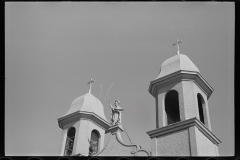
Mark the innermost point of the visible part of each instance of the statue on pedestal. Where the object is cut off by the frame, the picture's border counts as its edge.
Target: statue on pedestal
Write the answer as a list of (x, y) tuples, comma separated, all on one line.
[(116, 113)]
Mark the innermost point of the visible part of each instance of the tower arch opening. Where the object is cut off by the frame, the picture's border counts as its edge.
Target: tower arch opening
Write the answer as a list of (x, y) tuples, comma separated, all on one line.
[(172, 107), (201, 104), (70, 141), (94, 142)]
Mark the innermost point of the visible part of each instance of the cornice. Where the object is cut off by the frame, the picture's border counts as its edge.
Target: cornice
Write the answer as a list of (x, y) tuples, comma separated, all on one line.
[(83, 114), (184, 125), (178, 77)]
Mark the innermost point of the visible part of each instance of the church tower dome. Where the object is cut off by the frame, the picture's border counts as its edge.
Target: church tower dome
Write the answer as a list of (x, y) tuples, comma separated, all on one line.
[(179, 62), (83, 126), (87, 103)]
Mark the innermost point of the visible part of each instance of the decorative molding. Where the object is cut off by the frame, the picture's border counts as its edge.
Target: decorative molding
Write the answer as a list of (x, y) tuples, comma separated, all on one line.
[(116, 130), (142, 150), (138, 148), (184, 125), (178, 77)]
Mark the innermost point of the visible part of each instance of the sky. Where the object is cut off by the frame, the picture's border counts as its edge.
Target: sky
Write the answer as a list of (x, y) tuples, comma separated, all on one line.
[(52, 49)]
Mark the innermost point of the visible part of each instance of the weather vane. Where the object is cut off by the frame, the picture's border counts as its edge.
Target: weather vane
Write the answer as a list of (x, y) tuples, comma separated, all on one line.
[(177, 43), (90, 84)]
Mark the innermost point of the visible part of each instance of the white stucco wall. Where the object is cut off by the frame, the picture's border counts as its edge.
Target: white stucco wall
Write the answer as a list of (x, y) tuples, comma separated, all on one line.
[(175, 144)]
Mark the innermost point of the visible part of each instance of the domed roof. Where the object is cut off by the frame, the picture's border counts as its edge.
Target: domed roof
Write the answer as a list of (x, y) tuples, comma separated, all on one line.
[(87, 103), (177, 63)]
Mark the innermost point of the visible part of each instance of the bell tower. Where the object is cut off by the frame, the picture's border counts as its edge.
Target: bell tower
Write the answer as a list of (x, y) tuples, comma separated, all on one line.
[(83, 126), (183, 125)]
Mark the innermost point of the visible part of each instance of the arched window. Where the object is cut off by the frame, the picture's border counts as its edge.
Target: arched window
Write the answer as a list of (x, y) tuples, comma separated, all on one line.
[(201, 103), (70, 141), (172, 107), (94, 142)]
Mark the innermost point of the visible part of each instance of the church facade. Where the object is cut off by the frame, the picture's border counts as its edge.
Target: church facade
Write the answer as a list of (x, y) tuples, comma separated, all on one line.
[(183, 126)]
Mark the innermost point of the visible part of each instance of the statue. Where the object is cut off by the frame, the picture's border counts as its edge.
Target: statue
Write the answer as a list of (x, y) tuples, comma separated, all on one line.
[(116, 113), (92, 145)]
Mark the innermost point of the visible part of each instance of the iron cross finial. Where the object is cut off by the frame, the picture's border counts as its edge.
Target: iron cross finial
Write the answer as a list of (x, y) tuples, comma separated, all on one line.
[(177, 43), (90, 84)]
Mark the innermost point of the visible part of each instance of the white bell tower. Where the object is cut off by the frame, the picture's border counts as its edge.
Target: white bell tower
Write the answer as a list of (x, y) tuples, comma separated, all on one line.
[(183, 125), (84, 123)]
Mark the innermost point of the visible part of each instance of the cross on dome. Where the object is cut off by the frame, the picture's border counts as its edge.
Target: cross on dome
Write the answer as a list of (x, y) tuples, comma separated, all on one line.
[(177, 43), (90, 84)]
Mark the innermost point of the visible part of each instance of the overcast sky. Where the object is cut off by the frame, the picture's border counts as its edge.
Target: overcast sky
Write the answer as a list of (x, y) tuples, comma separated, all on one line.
[(52, 49)]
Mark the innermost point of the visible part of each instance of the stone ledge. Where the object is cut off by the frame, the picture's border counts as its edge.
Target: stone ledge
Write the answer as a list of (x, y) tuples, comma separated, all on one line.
[(184, 125), (114, 129)]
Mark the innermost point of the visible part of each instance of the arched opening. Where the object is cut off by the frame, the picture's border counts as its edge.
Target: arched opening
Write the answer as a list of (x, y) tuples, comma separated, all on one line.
[(201, 103), (70, 141), (94, 142), (172, 107)]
